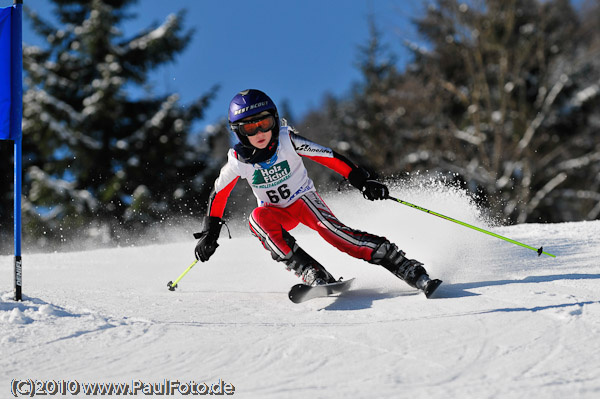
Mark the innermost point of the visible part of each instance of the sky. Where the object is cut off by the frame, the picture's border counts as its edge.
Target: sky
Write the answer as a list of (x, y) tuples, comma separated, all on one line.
[(293, 50)]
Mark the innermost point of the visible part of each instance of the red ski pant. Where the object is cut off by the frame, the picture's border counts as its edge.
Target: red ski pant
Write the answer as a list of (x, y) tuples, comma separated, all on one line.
[(271, 224)]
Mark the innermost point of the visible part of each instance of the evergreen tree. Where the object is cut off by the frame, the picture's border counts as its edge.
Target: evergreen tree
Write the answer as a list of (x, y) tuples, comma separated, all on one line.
[(502, 98), (364, 126), (100, 162)]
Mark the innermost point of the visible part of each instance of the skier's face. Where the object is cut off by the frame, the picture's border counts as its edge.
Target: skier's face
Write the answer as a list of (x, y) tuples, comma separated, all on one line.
[(261, 139)]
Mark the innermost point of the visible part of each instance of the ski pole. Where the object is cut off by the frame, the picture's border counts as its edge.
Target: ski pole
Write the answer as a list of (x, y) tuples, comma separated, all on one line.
[(539, 250), (172, 285)]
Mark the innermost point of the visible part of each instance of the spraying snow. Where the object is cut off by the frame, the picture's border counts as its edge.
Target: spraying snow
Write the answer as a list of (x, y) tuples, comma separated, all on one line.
[(505, 323)]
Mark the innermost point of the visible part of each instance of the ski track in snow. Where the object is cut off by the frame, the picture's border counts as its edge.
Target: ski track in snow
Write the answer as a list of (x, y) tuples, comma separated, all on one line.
[(505, 323)]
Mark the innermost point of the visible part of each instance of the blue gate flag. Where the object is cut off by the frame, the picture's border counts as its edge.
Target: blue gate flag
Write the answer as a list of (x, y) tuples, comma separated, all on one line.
[(11, 67), (5, 14)]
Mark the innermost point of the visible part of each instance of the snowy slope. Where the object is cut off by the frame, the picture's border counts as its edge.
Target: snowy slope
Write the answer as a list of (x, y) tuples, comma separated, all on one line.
[(505, 323)]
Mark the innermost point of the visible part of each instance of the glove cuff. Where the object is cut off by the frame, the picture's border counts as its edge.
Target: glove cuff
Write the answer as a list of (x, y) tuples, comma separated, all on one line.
[(211, 226), (358, 177)]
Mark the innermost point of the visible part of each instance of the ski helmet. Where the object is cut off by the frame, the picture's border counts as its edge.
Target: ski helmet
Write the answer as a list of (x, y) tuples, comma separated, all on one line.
[(248, 103)]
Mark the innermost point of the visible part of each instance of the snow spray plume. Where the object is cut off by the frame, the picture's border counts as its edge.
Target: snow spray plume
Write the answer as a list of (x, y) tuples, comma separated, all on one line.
[(539, 250)]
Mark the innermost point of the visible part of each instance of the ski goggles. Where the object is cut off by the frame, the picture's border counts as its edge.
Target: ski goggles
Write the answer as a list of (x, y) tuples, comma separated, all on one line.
[(251, 128)]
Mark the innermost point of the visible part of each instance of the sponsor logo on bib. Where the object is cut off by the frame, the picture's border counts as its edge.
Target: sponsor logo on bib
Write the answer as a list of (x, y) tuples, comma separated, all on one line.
[(271, 176)]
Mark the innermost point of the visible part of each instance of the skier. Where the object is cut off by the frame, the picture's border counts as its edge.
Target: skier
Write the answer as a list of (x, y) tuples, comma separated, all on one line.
[(269, 156)]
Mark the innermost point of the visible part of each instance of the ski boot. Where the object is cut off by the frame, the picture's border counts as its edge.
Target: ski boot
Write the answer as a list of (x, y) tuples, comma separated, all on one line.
[(411, 271), (427, 285), (307, 268)]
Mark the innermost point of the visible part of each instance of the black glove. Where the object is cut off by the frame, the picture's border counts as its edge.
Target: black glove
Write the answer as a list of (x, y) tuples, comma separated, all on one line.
[(207, 243), (374, 190), (371, 189)]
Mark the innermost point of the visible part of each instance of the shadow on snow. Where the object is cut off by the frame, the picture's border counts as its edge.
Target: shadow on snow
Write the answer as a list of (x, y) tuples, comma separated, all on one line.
[(364, 298), (460, 289)]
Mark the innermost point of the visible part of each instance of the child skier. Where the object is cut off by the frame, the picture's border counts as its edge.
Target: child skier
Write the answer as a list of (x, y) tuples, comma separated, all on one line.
[(269, 157)]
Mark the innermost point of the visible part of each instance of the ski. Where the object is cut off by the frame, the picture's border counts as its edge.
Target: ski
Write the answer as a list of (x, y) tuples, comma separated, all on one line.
[(431, 287), (302, 292)]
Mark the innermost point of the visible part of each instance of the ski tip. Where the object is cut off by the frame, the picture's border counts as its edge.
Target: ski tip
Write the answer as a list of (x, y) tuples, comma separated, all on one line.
[(301, 292), (296, 293), (431, 287), (294, 299)]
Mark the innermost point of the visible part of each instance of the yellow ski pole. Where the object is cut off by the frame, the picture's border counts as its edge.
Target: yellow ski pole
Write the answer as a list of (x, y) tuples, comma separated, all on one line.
[(172, 285), (539, 250)]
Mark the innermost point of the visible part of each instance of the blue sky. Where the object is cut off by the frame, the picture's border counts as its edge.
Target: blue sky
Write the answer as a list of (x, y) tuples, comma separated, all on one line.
[(293, 50)]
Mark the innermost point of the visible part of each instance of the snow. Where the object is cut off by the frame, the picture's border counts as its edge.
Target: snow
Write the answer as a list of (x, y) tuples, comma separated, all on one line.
[(505, 323), (144, 41)]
